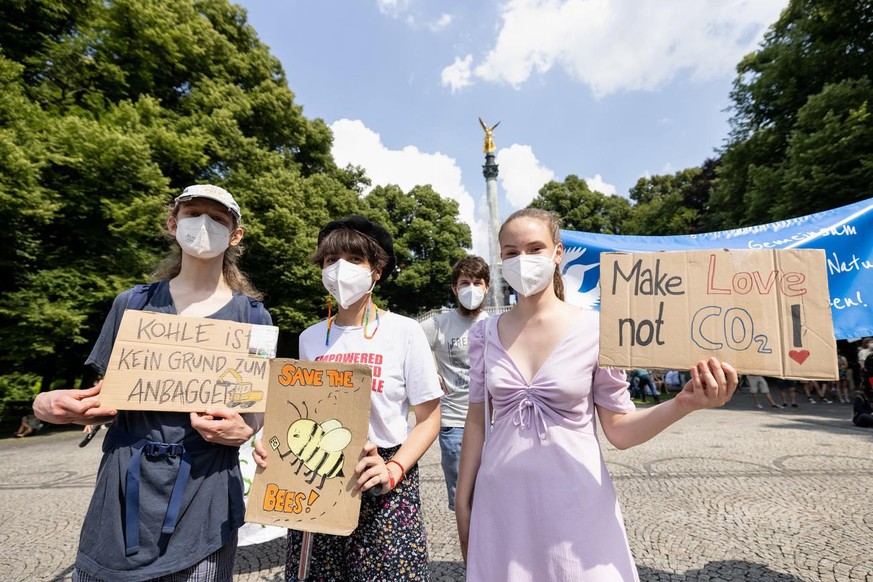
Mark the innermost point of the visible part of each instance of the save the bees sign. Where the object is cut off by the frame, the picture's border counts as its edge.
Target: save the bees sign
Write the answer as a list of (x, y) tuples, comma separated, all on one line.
[(187, 364), (318, 415)]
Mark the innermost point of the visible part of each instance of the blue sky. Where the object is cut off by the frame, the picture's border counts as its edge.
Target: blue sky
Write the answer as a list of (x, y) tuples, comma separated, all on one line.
[(609, 90)]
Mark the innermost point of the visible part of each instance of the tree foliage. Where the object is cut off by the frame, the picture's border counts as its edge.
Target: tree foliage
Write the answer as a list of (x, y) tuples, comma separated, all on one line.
[(800, 139), (662, 205), (672, 204), (581, 208), (107, 110), (428, 241)]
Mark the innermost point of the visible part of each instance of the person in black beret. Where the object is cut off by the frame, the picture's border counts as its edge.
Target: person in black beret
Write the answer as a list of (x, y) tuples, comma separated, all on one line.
[(389, 543)]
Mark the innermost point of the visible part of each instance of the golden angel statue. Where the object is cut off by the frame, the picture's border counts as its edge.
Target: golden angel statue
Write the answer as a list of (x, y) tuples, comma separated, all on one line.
[(489, 136)]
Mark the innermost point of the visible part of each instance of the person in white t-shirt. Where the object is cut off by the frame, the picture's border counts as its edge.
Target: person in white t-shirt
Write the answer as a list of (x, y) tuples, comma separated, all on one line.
[(447, 335), (864, 350), (389, 542)]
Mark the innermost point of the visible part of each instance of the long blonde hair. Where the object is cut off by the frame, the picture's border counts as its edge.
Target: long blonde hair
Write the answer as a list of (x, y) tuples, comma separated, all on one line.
[(171, 265), (553, 223)]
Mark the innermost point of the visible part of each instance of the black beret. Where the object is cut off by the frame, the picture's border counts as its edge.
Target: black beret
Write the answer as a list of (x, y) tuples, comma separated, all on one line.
[(369, 228)]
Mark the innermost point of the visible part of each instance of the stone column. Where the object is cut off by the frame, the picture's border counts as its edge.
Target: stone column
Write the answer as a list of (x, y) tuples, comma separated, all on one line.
[(496, 294)]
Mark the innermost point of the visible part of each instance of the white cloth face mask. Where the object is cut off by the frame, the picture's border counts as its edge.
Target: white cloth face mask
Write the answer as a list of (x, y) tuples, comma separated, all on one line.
[(529, 274), (201, 236), (347, 282), (471, 296)]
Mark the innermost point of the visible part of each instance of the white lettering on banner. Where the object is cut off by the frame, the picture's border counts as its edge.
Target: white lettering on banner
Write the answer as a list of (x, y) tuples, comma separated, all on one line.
[(844, 302), (842, 230), (838, 266)]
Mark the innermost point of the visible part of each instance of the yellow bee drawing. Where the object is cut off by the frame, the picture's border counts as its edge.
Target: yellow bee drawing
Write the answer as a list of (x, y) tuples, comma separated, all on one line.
[(317, 446)]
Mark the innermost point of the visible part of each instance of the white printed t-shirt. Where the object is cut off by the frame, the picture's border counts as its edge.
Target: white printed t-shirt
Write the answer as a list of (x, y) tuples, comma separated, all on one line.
[(404, 373), (447, 335)]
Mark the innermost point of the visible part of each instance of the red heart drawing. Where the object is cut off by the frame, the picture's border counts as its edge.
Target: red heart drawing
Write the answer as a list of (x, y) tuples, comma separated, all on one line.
[(798, 356)]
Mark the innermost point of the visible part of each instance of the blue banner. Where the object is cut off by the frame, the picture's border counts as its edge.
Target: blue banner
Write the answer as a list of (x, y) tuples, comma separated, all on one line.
[(844, 233)]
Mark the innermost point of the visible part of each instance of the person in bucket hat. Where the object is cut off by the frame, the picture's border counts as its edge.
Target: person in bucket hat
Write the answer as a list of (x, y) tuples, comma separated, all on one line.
[(168, 499)]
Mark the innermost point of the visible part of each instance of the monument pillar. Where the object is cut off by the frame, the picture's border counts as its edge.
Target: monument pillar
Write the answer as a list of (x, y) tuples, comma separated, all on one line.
[(496, 292)]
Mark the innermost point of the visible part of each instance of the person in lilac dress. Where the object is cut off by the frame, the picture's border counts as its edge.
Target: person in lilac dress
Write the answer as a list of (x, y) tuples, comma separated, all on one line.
[(534, 500)]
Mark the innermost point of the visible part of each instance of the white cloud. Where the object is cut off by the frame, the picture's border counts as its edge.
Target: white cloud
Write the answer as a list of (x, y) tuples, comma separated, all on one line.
[(457, 75), (521, 174), (441, 23), (482, 232), (597, 184), (414, 16), (393, 8), (625, 45), (356, 144)]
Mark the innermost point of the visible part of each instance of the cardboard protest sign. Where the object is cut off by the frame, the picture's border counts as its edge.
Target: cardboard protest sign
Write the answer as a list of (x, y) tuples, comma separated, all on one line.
[(186, 364), (318, 416), (766, 312)]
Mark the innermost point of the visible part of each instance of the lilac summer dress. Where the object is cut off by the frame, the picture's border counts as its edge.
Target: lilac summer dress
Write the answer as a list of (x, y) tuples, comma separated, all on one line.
[(544, 507)]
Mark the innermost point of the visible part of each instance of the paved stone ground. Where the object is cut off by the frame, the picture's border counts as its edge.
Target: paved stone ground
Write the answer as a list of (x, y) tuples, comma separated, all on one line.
[(725, 495)]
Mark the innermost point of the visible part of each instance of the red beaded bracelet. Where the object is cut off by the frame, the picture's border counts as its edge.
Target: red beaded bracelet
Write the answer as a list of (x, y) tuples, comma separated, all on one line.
[(391, 482)]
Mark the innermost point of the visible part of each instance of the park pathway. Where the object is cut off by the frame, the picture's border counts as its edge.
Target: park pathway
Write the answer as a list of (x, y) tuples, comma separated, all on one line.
[(725, 495)]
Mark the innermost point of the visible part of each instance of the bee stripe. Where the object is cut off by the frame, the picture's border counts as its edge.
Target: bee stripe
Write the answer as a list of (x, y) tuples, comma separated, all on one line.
[(311, 446), (337, 467), (324, 456)]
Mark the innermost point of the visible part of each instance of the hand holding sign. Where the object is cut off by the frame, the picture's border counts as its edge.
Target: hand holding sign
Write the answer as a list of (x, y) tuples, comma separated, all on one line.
[(188, 364), (765, 311), (712, 384), (73, 406), (316, 423), (372, 471), (221, 426)]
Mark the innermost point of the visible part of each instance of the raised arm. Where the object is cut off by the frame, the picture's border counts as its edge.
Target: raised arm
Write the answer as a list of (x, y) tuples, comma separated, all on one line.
[(712, 384)]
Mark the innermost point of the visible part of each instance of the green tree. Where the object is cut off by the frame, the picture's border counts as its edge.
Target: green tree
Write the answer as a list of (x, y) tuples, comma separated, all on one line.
[(91, 243), (582, 209), (663, 204), (26, 26), (108, 109), (830, 149), (24, 203), (428, 239), (697, 196), (814, 44)]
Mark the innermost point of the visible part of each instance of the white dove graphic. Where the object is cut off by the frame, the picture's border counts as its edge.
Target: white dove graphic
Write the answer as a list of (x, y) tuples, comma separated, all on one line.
[(574, 275)]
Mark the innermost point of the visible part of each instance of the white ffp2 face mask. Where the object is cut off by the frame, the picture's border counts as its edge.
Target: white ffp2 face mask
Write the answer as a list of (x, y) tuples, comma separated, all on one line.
[(347, 282), (529, 274), (471, 296), (201, 236)]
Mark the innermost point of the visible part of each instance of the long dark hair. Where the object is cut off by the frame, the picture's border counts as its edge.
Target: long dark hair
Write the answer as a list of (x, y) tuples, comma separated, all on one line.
[(553, 223), (236, 279)]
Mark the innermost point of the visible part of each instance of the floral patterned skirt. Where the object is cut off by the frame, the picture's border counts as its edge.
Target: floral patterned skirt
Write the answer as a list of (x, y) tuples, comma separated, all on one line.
[(389, 544)]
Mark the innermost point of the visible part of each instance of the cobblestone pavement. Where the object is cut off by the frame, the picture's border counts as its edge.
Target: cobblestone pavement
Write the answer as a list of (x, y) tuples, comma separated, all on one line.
[(725, 495)]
